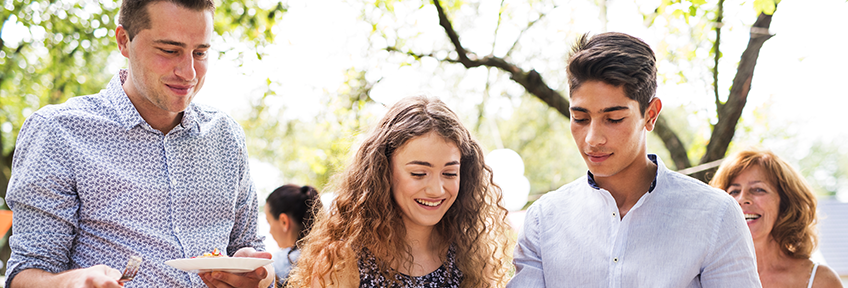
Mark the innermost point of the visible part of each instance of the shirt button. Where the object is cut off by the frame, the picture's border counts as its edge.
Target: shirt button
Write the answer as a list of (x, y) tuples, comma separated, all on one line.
[(613, 213), (177, 229), (615, 260)]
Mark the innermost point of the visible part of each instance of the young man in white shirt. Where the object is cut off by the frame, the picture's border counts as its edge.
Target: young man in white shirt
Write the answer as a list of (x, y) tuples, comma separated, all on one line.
[(630, 222)]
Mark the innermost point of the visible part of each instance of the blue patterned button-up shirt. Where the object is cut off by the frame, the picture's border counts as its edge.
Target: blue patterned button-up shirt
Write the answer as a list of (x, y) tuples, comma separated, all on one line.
[(93, 183)]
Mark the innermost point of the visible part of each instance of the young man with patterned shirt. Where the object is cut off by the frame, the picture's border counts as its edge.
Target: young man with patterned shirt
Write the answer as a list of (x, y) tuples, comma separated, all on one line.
[(137, 169), (630, 222)]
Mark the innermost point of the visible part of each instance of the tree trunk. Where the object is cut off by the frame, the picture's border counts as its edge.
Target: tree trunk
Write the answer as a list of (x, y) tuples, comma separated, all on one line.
[(675, 147), (730, 112)]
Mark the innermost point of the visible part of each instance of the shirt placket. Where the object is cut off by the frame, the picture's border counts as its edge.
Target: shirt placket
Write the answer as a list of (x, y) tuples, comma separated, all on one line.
[(172, 179), (621, 238), (616, 260), (174, 176), (616, 241)]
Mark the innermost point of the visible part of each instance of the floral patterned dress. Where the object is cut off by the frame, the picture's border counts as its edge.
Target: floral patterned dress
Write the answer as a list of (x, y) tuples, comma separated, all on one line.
[(447, 275)]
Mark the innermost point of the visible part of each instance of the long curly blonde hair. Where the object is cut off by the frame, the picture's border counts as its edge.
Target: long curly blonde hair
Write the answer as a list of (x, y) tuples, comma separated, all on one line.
[(364, 214), (795, 226)]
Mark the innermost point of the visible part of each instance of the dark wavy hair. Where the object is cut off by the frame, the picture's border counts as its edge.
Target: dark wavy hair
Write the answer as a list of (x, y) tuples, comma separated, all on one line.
[(298, 203), (365, 216), (134, 17), (795, 226), (617, 59)]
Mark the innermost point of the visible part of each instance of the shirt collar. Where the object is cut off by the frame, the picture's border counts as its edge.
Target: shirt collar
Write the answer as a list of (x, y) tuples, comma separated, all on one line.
[(652, 157), (127, 113)]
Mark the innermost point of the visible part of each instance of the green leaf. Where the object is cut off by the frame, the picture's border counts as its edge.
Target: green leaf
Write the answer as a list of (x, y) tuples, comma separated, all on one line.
[(678, 13), (765, 6)]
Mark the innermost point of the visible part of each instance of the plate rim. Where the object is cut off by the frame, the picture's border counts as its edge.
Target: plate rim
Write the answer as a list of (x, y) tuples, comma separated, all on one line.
[(230, 269)]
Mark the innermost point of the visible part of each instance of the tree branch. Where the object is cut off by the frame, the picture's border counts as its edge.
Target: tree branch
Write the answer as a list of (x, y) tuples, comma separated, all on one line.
[(731, 111), (531, 81), (454, 37), (419, 56), (534, 84), (495, 32), (716, 49), (675, 147), (529, 25)]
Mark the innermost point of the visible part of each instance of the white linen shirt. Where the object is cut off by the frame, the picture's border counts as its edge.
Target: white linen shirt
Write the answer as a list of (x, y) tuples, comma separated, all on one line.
[(682, 233)]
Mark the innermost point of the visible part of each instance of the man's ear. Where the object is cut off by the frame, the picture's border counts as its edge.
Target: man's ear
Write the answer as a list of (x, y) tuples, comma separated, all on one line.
[(652, 114), (123, 38)]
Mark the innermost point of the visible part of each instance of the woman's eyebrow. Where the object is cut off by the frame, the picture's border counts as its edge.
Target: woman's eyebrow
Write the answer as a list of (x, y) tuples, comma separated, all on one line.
[(425, 163), (417, 162)]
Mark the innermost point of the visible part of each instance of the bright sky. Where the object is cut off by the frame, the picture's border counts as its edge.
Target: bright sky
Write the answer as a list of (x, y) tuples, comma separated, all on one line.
[(798, 69)]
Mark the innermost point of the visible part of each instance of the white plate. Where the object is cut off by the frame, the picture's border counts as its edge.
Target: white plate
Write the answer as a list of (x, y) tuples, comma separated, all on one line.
[(226, 264)]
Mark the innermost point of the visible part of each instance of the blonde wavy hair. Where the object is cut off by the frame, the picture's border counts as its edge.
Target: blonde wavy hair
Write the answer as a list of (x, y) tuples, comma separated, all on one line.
[(795, 228), (364, 214)]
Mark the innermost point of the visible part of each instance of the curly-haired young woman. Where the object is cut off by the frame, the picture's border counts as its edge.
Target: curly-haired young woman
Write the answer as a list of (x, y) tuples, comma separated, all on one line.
[(416, 207)]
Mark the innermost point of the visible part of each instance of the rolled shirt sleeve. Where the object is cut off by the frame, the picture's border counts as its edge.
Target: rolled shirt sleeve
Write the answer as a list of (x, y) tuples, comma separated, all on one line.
[(528, 255), (45, 208), (729, 263)]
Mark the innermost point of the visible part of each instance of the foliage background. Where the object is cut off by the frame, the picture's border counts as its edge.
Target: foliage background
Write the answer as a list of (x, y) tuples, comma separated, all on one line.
[(305, 78), (350, 72)]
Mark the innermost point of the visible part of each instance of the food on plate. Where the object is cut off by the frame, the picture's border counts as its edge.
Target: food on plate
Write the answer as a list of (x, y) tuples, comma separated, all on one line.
[(215, 253)]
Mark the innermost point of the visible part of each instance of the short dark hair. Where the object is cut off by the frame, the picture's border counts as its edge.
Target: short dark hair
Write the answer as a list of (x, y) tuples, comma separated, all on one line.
[(134, 17), (617, 59)]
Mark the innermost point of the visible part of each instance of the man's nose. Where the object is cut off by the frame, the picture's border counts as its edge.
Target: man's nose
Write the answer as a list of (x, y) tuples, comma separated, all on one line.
[(185, 68), (595, 135)]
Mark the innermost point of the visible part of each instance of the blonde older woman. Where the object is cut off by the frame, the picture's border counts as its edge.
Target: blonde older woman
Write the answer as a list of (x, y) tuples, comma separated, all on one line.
[(780, 209)]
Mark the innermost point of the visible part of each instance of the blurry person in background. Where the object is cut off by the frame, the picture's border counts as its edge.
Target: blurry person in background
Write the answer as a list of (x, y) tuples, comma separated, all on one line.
[(780, 210), (289, 211), (415, 208)]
